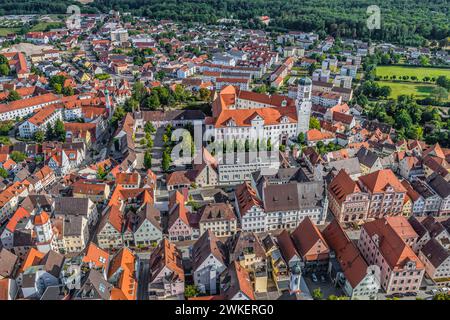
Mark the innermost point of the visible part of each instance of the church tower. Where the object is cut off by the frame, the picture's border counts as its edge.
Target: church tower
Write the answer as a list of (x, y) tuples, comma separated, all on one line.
[(43, 230), (303, 104)]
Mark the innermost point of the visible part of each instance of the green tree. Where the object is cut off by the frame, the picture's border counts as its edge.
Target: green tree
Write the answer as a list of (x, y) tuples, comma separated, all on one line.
[(439, 94), (204, 94), (39, 136), (443, 82), (301, 138), (118, 115), (101, 173), (59, 131), (441, 296), (3, 173), (314, 123), (165, 163), (317, 294), (152, 101), (149, 128), (191, 291), (147, 160), (13, 96), (4, 69), (18, 156), (424, 60)]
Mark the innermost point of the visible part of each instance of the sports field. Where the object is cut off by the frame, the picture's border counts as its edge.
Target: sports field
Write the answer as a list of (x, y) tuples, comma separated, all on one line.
[(420, 90), (419, 72)]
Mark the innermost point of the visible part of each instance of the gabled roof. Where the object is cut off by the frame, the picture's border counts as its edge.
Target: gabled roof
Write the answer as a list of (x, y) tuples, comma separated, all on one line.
[(391, 245), (367, 157), (435, 252), (123, 266), (309, 242), (98, 257), (379, 180), (206, 245), (342, 186), (216, 211), (8, 261), (167, 255), (347, 254), (236, 279), (246, 198), (286, 246)]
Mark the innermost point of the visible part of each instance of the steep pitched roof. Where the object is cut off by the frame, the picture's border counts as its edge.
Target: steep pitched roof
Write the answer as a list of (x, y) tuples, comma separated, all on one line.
[(98, 257), (123, 266), (342, 186), (391, 245), (286, 245), (306, 237), (207, 244), (379, 180), (167, 255), (347, 254), (435, 252), (234, 279)]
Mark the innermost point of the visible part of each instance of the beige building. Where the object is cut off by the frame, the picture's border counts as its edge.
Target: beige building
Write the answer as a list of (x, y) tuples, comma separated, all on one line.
[(219, 218)]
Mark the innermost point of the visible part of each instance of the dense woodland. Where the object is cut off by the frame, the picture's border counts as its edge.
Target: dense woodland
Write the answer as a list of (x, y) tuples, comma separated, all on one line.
[(403, 21)]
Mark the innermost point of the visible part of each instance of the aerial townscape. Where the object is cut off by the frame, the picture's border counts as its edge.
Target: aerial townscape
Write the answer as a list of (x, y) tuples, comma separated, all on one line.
[(222, 157)]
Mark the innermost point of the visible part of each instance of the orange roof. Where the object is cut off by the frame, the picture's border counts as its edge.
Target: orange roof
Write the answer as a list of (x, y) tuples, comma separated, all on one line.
[(33, 258), (309, 241), (20, 214), (124, 262), (342, 186), (247, 198), (391, 245), (352, 263), (317, 135), (89, 187), (176, 198), (167, 255), (127, 178), (33, 101), (42, 115), (377, 182), (97, 256), (272, 113), (41, 218)]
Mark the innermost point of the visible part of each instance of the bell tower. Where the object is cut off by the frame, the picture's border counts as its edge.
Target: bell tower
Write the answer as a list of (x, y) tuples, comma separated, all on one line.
[(303, 104)]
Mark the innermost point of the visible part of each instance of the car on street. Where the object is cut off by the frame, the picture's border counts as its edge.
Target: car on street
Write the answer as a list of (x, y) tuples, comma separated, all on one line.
[(322, 278), (314, 278)]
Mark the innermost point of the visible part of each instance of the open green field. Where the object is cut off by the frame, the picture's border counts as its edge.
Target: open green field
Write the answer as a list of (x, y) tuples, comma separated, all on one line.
[(5, 31), (42, 26), (419, 72), (420, 90)]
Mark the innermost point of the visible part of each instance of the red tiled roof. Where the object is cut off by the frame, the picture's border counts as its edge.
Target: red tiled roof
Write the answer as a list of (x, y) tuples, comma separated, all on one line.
[(391, 245), (378, 181)]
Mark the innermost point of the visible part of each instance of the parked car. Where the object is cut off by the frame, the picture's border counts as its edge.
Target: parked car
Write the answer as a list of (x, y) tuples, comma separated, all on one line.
[(314, 277), (322, 278)]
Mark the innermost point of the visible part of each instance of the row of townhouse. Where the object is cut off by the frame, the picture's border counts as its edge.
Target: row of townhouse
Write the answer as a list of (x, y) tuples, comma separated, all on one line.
[(49, 275), (279, 206), (24, 107), (374, 195), (61, 224)]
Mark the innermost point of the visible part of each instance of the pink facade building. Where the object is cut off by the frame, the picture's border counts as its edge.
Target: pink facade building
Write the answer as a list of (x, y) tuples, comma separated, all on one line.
[(382, 243)]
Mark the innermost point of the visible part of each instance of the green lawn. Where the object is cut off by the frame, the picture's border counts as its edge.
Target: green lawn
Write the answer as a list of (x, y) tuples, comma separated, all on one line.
[(418, 89), (419, 72), (41, 26), (5, 31)]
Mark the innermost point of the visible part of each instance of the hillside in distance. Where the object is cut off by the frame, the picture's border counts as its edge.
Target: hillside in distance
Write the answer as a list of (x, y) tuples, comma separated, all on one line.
[(403, 21)]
